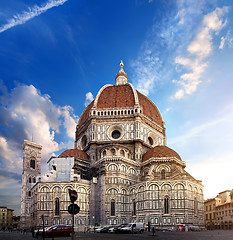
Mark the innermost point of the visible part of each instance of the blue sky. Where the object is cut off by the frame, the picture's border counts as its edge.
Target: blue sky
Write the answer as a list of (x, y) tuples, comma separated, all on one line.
[(55, 55)]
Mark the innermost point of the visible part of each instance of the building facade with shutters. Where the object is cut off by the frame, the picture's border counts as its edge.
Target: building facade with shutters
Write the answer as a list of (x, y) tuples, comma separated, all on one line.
[(122, 168), (219, 211), (6, 218)]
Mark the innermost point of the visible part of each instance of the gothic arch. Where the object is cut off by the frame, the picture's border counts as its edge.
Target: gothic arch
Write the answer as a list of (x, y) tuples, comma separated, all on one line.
[(113, 167), (112, 191), (177, 184), (163, 166), (123, 168), (132, 171)]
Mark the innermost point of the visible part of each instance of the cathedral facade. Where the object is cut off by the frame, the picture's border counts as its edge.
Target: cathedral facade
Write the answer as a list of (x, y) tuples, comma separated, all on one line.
[(120, 167)]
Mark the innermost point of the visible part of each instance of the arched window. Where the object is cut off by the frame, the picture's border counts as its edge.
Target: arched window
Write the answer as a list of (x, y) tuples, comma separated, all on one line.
[(163, 174), (166, 205), (132, 171), (29, 180), (57, 207), (34, 180), (32, 163), (113, 208), (123, 168), (122, 153), (104, 153), (134, 208), (112, 167), (195, 205), (124, 199), (113, 151), (153, 196)]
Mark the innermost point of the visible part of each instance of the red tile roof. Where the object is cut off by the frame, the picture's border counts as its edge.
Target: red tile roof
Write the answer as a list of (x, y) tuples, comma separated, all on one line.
[(159, 152), (85, 114), (117, 96), (77, 153), (149, 109)]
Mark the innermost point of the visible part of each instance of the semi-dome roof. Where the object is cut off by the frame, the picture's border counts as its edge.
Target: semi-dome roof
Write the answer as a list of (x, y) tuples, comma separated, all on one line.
[(160, 152), (77, 153), (122, 95)]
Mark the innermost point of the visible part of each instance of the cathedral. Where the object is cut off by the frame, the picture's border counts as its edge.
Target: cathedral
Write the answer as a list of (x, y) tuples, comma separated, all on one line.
[(121, 167)]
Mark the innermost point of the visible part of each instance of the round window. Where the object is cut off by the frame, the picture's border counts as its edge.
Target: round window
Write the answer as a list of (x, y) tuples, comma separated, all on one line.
[(84, 141), (150, 140), (116, 134)]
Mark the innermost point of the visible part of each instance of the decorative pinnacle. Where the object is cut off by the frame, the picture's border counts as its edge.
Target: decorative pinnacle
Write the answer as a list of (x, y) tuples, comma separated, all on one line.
[(121, 64), (121, 77)]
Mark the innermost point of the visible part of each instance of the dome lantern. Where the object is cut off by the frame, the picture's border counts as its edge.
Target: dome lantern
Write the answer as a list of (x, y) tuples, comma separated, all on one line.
[(121, 77)]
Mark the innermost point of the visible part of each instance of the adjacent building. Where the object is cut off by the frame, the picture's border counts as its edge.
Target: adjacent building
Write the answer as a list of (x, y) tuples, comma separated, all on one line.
[(219, 211), (120, 166), (6, 215)]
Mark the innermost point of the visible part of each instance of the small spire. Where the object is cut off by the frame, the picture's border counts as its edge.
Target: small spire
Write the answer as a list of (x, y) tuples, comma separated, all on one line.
[(121, 77), (121, 64)]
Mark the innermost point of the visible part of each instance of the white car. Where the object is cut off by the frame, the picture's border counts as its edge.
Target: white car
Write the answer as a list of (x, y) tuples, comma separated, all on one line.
[(137, 227), (98, 229), (41, 229)]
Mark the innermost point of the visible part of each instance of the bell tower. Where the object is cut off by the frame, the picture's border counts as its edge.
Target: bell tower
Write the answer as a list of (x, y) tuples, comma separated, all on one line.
[(30, 174)]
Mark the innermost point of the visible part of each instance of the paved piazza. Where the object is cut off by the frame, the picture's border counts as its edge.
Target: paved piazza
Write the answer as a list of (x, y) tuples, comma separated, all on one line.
[(206, 235)]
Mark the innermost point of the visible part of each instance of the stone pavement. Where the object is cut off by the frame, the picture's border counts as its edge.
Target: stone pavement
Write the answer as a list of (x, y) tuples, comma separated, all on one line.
[(205, 235)]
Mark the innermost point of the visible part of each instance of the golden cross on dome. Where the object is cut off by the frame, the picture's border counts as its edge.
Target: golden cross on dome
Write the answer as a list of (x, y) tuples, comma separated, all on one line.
[(121, 64)]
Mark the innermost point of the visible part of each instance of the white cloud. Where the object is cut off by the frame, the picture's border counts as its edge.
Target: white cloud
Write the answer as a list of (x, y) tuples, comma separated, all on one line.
[(198, 50), (226, 41), (27, 114), (10, 154), (30, 13), (89, 98), (223, 39), (180, 16), (146, 71), (70, 120)]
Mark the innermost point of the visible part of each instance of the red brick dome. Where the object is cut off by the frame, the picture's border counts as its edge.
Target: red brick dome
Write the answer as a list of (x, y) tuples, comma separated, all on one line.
[(160, 152), (121, 96), (77, 153)]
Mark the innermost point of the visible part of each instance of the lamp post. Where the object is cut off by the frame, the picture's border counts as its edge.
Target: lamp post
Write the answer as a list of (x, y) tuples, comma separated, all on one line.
[(93, 222)]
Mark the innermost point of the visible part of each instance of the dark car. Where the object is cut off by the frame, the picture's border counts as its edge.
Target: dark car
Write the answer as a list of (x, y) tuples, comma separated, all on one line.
[(60, 230), (105, 229), (117, 229)]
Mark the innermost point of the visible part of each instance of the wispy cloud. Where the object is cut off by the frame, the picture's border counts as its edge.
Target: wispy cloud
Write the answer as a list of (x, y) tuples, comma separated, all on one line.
[(164, 41), (89, 98), (30, 13), (197, 51), (226, 41), (196, 131)]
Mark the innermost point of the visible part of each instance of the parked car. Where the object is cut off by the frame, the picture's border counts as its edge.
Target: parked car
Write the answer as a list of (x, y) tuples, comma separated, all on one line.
[(97, 229), (117, 229), (59, 230), (105, 229), (137, 227), (41, 229)]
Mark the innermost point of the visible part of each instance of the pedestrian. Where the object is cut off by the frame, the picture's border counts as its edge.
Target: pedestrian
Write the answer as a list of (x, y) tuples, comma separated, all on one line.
[(148, 226), (32, 232), (153, 230), (37, 233)]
